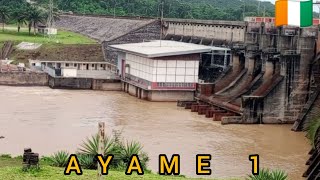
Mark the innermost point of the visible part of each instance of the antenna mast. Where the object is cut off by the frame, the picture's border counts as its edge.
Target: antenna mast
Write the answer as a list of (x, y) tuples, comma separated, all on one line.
[(50, 21)]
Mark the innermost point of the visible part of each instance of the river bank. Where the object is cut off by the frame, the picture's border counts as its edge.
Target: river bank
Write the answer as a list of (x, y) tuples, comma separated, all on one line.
[(65, 118)]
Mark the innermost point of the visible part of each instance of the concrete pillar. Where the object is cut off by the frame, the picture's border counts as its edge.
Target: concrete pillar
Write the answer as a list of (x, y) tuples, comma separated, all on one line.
[(250, 64), (144, 94), (139, 93), (124, 86), (269, 71), (235, 62)]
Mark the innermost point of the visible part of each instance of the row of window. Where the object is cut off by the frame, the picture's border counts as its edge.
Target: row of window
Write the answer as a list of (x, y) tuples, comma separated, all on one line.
[(160, 84), (93, 65)]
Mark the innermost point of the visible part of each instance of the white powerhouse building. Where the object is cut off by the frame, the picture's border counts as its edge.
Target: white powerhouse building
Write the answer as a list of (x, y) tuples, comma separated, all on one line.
[(160, 70)]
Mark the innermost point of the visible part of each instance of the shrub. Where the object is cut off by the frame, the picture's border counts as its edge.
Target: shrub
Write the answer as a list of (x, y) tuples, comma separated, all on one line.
[(91, 145), (112, 145), (59, 159), (133, 148), (312, 129), (87, 161), (278, 175), (8, 156), (266, 174)]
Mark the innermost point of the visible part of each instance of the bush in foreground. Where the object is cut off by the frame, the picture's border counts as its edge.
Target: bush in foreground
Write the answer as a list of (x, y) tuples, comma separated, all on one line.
[(59, 159), (122, 151), (266, 174)]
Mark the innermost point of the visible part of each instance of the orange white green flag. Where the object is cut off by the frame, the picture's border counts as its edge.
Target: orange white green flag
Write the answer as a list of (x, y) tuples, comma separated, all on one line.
[(294, 13)]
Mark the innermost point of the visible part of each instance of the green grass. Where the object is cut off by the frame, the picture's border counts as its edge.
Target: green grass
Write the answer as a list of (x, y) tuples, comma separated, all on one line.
[(63, 37), (11, 169), (47, 172)]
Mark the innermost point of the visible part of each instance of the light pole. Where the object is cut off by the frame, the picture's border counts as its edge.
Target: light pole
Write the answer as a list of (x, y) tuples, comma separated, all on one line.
[(161, 20), (114, 8), (244, 9), (259, 3)]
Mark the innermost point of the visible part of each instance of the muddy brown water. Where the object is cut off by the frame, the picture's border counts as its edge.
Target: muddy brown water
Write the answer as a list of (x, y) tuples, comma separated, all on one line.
[(50, 120)]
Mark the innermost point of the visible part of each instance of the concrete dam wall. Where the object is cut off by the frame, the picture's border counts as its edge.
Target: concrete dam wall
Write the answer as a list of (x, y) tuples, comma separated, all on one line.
[(23, 79), (269, 76)]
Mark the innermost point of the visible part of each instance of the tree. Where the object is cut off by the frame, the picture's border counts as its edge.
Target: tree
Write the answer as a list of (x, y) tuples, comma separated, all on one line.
[(4, 15), (20, 16), (34, 17)]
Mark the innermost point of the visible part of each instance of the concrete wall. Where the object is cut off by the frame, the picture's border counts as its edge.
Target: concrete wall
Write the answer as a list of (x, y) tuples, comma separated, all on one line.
[(69, 72), (23, 79), (159, 96), (168, 96), (132, 90), (106, 85), (229, 31), (95, 74), (70, 83)]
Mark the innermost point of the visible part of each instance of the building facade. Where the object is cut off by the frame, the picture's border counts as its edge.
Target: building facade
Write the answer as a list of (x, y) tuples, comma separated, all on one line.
[(74, 69), (166, 72)]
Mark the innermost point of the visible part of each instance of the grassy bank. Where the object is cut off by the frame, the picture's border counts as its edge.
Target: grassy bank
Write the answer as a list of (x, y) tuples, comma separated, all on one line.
[(65, 46), (63, 37), (11, 169)]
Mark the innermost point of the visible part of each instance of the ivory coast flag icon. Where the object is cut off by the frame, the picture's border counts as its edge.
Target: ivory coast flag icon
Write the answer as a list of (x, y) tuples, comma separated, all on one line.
[(294, 13)]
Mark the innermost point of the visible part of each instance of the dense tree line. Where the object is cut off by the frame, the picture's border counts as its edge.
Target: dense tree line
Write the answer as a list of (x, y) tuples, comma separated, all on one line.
[(23, 13), (191, 9)]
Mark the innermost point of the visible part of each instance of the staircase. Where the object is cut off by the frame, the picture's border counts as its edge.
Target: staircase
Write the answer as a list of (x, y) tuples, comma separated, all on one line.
[(6, 49)]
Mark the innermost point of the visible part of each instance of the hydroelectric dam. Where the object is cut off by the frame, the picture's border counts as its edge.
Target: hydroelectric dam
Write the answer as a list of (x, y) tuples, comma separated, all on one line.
[(267, 74)]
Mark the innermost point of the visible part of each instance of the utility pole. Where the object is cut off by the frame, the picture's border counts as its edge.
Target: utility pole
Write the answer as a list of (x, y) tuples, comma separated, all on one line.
[(50, 21), (161, 21), (114, 8), (244, 9), (101, 148), (259, 3)]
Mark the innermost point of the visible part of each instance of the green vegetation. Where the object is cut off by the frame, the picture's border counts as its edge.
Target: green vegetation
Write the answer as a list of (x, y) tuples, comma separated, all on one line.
[(22, 13), (59, 159), (192, 9), (266, 174), (11, 168), (121, 150), (313, 129), (63, 37)]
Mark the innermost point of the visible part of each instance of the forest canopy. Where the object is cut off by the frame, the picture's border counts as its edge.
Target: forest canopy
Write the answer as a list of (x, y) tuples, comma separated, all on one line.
[(190, 9)]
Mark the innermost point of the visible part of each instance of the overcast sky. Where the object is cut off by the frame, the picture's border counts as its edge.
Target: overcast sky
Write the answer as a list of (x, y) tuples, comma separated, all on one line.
[(271, 1), (275, 0)]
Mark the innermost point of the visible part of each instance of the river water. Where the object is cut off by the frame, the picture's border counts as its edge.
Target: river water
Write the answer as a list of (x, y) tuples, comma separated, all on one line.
[(50, 120)]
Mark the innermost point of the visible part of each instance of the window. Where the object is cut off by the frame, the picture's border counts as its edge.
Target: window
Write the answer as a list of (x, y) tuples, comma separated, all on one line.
[(67, 64), (92, 65), (75, 65)]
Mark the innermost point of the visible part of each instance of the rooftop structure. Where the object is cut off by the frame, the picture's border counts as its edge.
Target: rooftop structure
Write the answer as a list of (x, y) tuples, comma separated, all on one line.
[(163, 48)]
